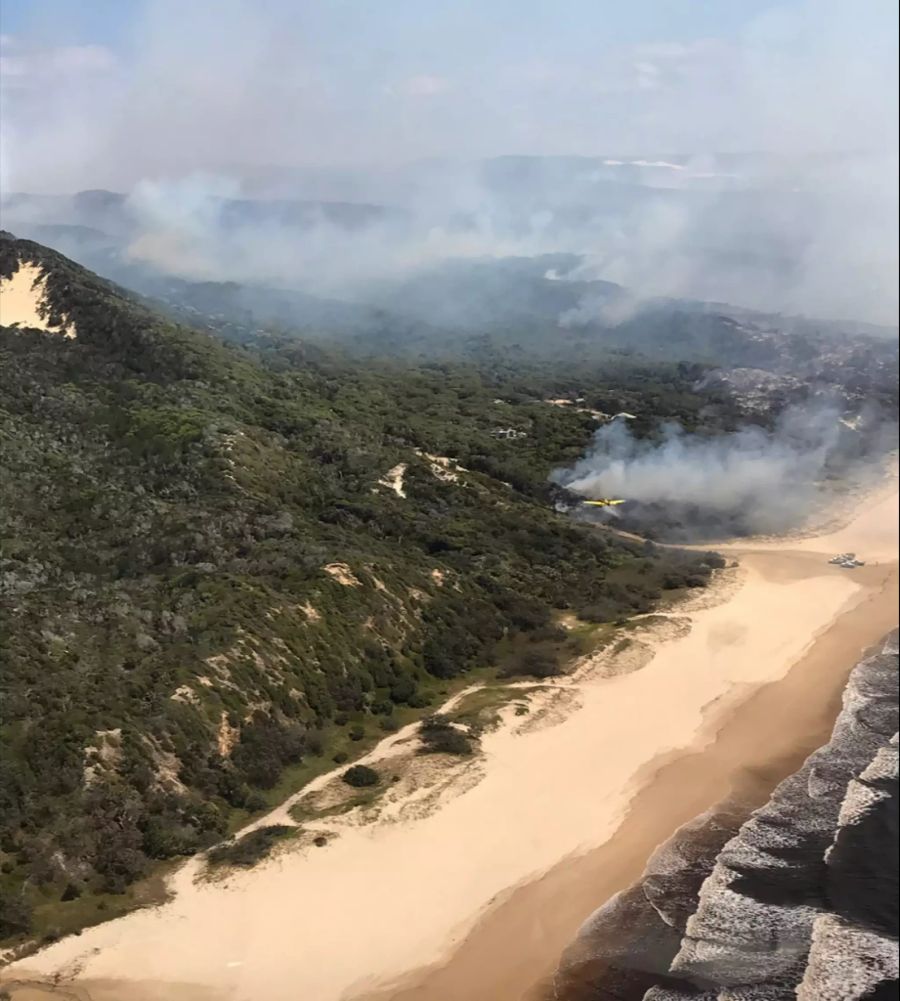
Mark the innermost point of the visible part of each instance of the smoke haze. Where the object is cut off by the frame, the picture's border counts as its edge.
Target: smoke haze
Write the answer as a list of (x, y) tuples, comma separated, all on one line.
[(630, 143)]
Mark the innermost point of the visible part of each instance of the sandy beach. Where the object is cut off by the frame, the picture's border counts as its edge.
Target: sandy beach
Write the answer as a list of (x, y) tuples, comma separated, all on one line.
[(474, 898)]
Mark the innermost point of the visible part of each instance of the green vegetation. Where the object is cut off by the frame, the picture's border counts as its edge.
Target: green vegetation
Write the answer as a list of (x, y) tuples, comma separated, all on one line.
[(49, 913), (440, 736), (251, 848), (361, 799), (211, 598), (479, 710), (360, 776)]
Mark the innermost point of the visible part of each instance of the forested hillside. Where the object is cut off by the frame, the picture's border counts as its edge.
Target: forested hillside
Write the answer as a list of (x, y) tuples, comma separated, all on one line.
[(220, 563)]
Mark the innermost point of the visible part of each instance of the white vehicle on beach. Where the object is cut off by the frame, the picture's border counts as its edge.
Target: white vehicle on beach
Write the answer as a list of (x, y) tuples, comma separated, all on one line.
[(847, 560)]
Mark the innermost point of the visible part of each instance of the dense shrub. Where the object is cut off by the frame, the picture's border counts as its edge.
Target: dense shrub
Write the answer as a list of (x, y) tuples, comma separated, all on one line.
[(360, 776), (251, 848), (538, 664), (440, 736), (15, 915)]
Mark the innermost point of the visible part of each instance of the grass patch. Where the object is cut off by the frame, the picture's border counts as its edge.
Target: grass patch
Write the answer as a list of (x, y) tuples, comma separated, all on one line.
[(303, 812), (481, 709)]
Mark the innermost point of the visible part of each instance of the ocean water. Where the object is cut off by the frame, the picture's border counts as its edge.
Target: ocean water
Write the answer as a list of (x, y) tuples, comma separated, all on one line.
[(796, 900)]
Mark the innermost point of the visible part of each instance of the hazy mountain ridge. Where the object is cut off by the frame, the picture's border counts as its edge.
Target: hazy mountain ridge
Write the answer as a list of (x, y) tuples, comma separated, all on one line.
[(752, 230), (547, 303), (800, 901)]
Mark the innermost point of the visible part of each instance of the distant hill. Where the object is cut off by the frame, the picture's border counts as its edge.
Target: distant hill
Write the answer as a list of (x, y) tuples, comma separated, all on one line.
[(115, 213)]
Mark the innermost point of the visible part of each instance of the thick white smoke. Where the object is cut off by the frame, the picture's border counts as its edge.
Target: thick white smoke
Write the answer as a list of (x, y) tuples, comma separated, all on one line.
[(766, 480), (638, 143), (186, 227), (815, 236)]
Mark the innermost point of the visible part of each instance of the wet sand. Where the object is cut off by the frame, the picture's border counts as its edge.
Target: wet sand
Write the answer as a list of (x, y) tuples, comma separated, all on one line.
[(513, 950), (483, 893)]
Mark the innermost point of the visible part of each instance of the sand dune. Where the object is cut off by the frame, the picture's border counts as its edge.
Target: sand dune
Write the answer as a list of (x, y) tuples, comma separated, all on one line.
[(321, 924), (22, 301)]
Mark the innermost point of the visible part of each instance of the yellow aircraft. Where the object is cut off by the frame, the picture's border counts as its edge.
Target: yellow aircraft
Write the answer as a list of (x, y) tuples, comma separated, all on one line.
[(604, 502)]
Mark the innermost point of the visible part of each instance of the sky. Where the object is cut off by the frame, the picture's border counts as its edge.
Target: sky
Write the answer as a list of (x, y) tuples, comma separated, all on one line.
[(181, 102), (105, 93)]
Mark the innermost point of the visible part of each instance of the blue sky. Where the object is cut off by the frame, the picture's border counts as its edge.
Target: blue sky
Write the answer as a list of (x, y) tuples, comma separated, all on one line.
[(147, 87), (111, 22)]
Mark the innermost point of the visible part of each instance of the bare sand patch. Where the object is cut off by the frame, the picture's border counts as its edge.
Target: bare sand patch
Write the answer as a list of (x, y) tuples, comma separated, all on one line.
[(442, 467), (342, 574), (23, 302), (393, 479)]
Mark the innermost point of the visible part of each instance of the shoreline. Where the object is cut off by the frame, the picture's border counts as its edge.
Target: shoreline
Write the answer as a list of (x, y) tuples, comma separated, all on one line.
[(540, 917), (337, 923)]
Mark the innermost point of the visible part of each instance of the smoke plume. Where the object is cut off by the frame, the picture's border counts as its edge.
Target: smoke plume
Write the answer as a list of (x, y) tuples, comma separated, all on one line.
[(747, 481)]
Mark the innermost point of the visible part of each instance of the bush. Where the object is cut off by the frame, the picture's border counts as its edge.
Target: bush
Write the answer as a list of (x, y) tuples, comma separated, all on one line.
[(265, 747), (548, 634), (71, 892), (357, 732), (538, 664), (602, 611), (526, 614), (255, 802), (249, 849), (686, 578), (340, 757), (15, 916), (439, 736), (402, 690), (360, 776)]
